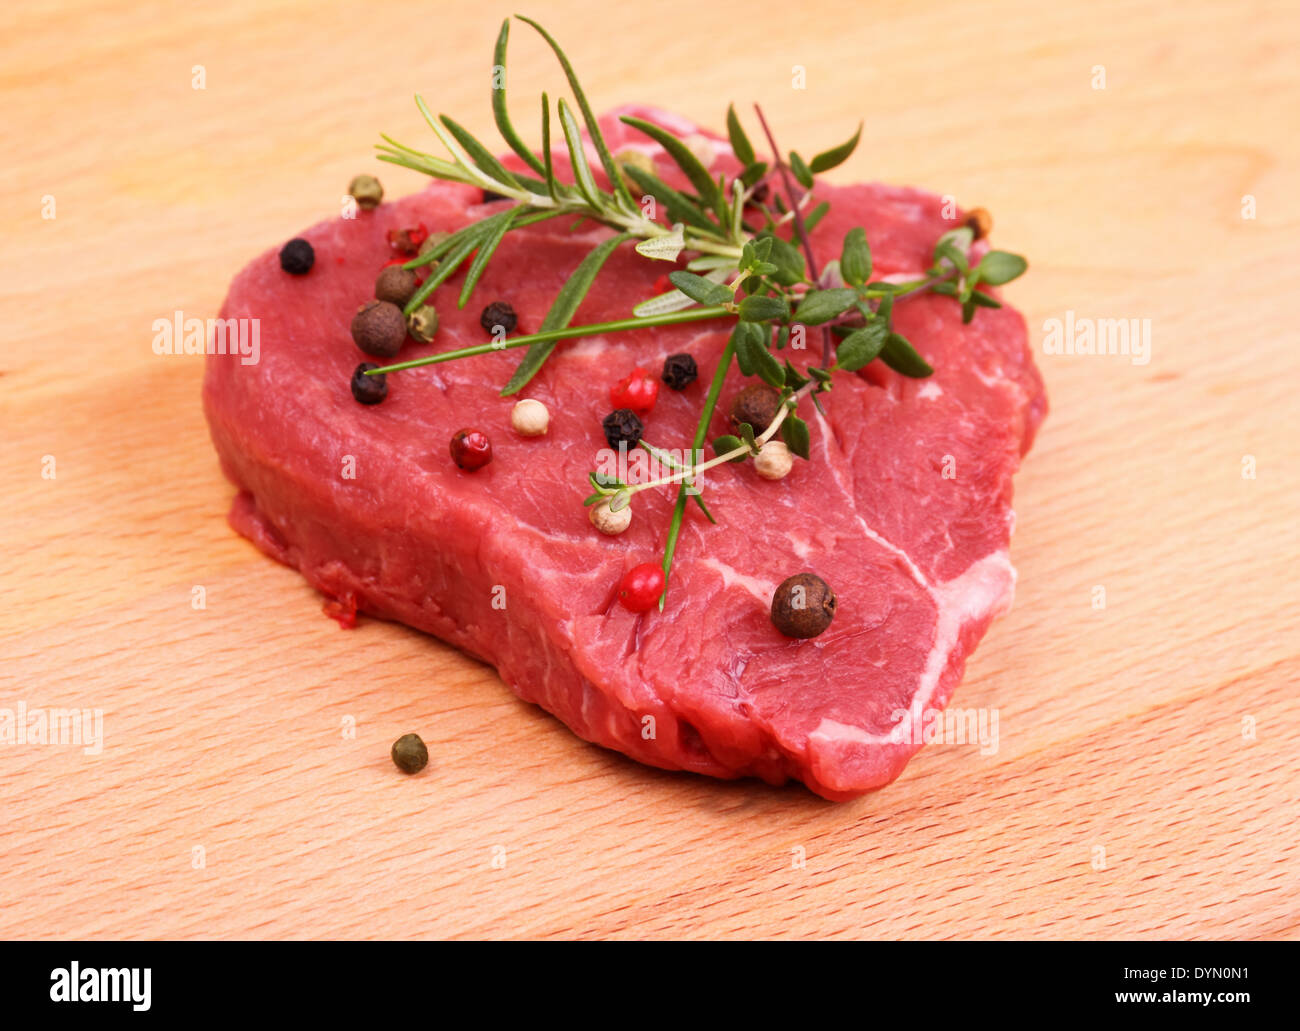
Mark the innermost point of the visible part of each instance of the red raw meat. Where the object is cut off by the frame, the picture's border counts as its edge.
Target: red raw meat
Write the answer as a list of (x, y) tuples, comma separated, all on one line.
[(919, 559)]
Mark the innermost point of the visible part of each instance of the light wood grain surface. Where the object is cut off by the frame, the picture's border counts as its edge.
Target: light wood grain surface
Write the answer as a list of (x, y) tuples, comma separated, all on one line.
[(1146, 778)]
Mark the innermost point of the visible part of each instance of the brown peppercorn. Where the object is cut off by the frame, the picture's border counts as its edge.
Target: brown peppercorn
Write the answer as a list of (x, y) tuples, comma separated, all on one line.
[(379, 328), (366, 191), (803, 606), (410, 754), (396, 285), (757, 405), (979, 222)]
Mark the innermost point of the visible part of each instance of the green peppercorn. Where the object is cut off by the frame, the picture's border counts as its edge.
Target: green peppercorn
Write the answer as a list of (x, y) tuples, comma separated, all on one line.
[(379, 328), (757, 405), (409, 753), (430, 242), (423, 323), (803, 606), (367, 191)]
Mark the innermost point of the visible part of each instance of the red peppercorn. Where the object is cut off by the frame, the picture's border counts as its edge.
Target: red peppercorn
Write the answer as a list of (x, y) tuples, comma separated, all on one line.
[(408, 240), (641, 587), (637, 391), (471, 449)]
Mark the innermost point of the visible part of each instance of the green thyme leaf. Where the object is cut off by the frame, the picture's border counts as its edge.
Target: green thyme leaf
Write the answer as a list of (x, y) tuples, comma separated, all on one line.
[(861, 346), (855, 257), (562, 310), (816, 215), (699, 289), (801, 171), (828, 159), (794, 431), (793, 379), (786, 257), (982, 300), (998, 267), (761, 309), (820, 306), (753, 172), (899, 354), (727, 443), (740, 145)]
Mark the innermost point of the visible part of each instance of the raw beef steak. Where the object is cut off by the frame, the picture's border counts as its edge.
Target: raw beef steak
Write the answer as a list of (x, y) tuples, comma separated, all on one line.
[(905, 507)]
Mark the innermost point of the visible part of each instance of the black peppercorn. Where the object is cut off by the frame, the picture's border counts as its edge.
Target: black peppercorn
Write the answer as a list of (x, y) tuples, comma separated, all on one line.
[(803, 606), (498, 313), (622, 427), (369, 390), (395, 284), (679, 371), (379, 328), (297, 257), (759, 196), (410, 754), (757, 405)]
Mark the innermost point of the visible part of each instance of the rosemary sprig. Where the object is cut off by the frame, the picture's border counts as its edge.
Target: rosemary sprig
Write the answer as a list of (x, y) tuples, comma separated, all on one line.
[(740, 270)]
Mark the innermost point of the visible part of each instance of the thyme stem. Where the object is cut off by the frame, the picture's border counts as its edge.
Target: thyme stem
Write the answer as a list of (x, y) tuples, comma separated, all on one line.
[(692, 471), (799, 227)]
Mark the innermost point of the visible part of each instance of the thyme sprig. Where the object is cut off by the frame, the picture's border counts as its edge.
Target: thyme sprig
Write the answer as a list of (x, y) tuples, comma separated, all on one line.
[(740, 268)]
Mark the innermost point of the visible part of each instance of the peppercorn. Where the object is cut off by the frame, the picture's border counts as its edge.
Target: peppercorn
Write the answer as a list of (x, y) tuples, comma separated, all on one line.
[(641, 587), (297, 257), (395, 284), (471, 449), (489, 196), (638, 159), (773, 461), (408, 240), (369, 390), (759, 196), (410, 754), (757, 405), (430, 242), (530, 418), (607, 521), (638, 390), (680, 371), (423, 323), (379, 328), (622, 427), (980, 222), (366, 191), (803, 606), (498, 313)]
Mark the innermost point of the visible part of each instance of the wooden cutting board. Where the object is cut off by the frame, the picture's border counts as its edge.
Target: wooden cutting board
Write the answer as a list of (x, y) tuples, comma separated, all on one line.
[(1146, 776)]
